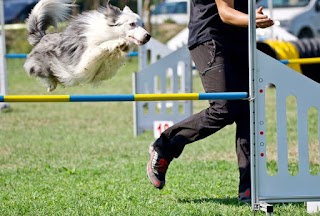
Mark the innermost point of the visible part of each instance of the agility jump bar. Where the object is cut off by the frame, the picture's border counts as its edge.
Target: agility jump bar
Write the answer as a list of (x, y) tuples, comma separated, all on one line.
[(125, 97), (16, 56)]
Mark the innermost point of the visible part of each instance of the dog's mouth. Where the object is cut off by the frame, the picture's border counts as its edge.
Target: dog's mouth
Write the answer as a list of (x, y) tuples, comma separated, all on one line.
[(136, 41), (139, 42)]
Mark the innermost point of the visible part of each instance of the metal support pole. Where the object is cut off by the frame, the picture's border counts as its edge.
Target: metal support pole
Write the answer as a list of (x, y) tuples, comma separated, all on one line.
[(142, 49), (3, 67), (270, 6), (253, 71)]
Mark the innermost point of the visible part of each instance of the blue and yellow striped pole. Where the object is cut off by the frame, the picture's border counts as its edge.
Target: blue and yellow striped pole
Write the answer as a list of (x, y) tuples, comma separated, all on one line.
[(285, 50), (315, 60), (124, 97)]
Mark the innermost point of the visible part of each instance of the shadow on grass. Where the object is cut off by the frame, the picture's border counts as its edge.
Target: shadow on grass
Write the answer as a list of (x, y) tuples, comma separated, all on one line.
[(225, 201), (232, 201)]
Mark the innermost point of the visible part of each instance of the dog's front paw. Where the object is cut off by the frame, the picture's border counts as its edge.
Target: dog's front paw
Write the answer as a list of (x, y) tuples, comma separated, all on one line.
[(50, 83), (110, 46), (123, 45), (50, 89)]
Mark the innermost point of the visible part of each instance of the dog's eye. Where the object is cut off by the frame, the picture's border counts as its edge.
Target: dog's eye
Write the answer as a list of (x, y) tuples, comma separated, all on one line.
[(132, 24)]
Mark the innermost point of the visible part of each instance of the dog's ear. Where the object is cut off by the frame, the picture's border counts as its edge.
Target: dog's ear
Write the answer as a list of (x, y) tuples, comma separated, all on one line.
[(110, 10), (126, 9), (112, 7)]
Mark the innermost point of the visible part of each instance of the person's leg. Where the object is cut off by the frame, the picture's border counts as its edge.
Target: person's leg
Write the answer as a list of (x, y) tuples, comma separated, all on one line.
[(243, 151), (242, 121), (216, 77)]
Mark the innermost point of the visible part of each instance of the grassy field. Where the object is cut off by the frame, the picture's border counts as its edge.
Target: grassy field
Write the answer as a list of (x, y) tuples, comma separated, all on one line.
[(82, 159)]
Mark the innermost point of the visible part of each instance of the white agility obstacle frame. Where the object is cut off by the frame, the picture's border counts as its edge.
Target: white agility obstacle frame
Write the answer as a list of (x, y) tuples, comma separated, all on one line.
[(282, 187), (171, 74), (161, 71)]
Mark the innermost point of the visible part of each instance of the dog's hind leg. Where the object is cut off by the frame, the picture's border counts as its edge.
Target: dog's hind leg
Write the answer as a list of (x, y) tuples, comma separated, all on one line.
[(44, 75)]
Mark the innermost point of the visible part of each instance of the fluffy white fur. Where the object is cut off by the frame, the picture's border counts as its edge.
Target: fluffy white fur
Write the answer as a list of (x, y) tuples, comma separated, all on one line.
[(91, 49)]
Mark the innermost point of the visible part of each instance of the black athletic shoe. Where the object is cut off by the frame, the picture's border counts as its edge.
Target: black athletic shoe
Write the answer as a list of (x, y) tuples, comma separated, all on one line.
[(245, 196), (157, 168)]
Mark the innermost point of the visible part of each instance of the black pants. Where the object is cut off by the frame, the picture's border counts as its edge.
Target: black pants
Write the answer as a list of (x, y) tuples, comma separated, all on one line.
[(223, 67)]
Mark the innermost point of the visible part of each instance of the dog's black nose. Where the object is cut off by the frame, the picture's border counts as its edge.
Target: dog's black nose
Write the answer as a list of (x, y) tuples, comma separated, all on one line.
[(147, 37)]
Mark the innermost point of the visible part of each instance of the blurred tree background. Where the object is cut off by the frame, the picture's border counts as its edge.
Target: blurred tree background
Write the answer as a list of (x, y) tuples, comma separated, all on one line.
[(93, 4)]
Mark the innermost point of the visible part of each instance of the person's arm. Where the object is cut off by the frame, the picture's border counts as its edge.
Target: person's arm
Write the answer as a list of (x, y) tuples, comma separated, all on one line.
[(231, 16)]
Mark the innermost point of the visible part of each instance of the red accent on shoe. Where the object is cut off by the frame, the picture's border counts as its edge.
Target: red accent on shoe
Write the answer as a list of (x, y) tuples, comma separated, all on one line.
[(163, 165), (247, 192), (245, 197)]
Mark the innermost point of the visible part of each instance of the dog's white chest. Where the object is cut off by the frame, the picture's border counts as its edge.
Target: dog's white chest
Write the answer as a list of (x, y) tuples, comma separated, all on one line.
[(98, 64), (110, 65)]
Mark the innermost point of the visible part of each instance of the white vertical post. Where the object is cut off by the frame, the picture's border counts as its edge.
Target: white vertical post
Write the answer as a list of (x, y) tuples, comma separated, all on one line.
[(142, 49), (140, 9), (3, 66), (270, 6), (141, 64)]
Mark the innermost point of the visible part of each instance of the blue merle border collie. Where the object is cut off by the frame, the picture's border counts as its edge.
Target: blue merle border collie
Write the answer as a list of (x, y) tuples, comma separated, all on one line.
[(92, 48)]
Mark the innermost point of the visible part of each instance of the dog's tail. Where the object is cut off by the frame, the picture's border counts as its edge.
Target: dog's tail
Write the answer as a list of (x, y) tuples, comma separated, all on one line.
[(46, 13)]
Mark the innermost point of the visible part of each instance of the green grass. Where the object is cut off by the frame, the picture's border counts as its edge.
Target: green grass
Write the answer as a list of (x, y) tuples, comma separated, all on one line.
[(82, 159)]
